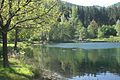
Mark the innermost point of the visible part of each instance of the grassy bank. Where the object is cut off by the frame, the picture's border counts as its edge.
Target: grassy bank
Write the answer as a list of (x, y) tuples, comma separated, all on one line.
[(111, 39), (18, 71)]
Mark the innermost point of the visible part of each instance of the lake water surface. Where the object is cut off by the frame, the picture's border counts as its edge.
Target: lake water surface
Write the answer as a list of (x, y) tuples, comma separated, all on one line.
[(81, 61)]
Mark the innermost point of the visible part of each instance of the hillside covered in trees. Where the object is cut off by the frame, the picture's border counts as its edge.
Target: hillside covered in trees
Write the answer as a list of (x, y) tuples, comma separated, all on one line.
[(82, 22), (102, 15)]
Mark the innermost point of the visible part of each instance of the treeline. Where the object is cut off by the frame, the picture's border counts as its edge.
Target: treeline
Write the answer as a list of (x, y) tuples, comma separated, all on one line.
[(75, 30), (79, 22), (67, 31)]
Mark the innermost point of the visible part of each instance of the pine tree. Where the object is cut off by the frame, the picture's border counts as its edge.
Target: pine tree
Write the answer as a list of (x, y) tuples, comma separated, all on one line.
[(93, 29)]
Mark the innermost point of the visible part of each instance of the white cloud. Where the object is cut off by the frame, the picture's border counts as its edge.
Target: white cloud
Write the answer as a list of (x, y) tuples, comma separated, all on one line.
[(93, 2)]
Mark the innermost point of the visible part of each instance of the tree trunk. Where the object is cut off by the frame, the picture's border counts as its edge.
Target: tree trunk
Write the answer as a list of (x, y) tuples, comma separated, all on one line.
[(16, 39), (5, 50)]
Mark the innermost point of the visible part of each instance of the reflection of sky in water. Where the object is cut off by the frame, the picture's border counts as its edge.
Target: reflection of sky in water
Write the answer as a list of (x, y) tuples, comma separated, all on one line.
[(96, 45), (101, 76)]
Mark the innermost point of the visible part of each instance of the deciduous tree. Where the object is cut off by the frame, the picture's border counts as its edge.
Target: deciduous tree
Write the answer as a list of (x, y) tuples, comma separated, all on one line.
[(16, 12)]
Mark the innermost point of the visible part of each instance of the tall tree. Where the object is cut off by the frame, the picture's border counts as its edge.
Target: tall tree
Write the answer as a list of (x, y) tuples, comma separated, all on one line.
[(16, 12), (74, 12), (81, 31), (92, 29)]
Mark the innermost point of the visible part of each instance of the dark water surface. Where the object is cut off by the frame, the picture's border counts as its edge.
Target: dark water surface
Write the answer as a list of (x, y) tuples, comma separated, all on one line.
[(81, 61)]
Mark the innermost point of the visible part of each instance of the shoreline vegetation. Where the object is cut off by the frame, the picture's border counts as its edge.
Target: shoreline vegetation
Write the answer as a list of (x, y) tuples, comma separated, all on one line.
[(20, 71), (111, 39)]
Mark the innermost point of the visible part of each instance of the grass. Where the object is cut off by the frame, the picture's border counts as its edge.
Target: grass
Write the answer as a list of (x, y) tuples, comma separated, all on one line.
[(111, 39), (17, 71)]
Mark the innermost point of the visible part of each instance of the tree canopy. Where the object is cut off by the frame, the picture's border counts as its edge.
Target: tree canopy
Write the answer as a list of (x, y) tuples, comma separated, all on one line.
[(14, 13)]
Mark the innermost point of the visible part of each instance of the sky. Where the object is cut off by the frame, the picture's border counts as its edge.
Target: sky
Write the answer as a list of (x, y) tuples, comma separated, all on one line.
[(93, 2)]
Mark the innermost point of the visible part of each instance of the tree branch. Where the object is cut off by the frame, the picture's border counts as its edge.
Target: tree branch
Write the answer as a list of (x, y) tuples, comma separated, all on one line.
[(27, 2), (34, 18), (2, 4), (25, 12), (15, 26), (1, 21), (11, 15), (10, 6), (49, 9), (18, 3)]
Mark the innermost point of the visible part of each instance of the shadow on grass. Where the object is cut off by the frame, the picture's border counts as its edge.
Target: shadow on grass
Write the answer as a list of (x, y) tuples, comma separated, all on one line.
[(14, 72), (11, 74)]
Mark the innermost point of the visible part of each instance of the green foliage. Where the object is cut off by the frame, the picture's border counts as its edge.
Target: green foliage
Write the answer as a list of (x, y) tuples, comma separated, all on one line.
[(74, 22), (100, 33), (11, 36), (18, 72), (102, 15), (74, 12), (107, 31), (60, 32), (81, 31), (110, 32), (92, 29), (27, 14), (110, 39), (63, 22), (117, 27)]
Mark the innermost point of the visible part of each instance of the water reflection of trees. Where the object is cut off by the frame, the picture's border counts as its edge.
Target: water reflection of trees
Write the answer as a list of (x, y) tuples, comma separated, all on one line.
[(72, 62)]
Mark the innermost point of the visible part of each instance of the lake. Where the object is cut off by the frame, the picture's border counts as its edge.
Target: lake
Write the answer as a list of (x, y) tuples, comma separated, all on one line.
[(81, 61)]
